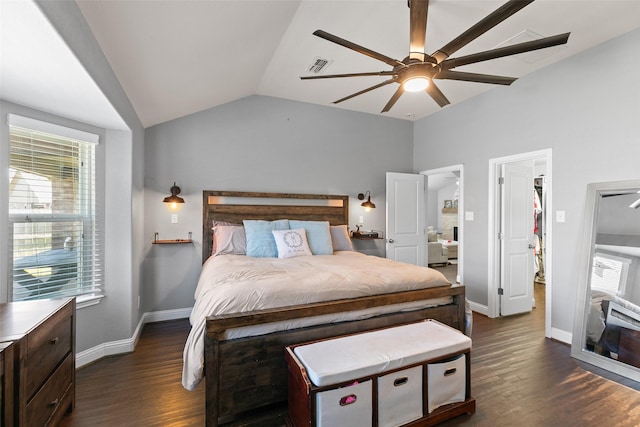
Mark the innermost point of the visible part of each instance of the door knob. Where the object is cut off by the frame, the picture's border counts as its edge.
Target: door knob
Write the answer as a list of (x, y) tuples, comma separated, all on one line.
[(532, 246), (390, 240)]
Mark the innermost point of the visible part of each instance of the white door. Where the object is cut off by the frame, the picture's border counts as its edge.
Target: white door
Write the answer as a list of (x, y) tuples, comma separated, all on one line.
[(517, 238), (406, 241)]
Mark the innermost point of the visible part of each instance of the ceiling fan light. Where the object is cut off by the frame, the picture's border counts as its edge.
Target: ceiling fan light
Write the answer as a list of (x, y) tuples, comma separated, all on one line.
[(416, 84)]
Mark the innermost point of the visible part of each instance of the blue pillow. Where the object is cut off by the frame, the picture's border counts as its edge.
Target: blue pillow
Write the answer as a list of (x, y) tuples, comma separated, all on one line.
[(260, 241), (318, 235)]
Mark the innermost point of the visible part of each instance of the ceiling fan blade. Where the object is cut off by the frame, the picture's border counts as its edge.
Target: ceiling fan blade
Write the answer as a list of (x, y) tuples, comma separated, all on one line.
[(475, 77), (418, 10), (353, 95), (331, 76), (394, 98), (437, 95), (506, 51), (619, 194), (484, 25), (360, 49)]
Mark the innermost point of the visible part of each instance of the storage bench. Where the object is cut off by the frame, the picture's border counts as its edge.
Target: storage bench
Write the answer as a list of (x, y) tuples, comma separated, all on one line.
[(416, 374)]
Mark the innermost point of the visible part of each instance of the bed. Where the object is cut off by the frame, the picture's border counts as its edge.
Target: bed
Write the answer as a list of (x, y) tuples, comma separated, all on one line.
[(608, 315), (245, 372)]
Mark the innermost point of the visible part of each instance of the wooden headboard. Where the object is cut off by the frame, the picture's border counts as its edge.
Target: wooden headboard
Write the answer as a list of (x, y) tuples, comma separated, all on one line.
[(234, 206)]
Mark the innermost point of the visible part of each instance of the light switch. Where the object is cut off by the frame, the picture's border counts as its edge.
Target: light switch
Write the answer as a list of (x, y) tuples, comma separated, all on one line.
[(560, 216), (468, 216), (361, 220), (174, 218)]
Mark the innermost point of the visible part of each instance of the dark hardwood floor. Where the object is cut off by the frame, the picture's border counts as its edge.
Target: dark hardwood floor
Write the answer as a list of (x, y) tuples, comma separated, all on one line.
[(142, 388), (519, 378)]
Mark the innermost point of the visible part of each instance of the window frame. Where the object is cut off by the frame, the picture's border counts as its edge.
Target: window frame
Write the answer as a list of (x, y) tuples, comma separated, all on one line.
[(88, 212), (625, 263)]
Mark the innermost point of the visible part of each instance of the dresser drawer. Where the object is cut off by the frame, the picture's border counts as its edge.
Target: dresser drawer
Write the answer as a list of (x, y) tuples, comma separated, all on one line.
[(53, 397), (47, 346)]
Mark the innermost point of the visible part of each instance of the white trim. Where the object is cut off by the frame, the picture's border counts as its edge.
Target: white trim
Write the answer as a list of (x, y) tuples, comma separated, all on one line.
[(129, 344), (51, 128), (492, 265), (562, 336), (84, 301), (478, 308), (161, 316)]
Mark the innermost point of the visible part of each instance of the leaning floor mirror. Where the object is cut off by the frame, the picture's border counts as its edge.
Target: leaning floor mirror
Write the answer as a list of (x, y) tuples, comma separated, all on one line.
[(606, 329)]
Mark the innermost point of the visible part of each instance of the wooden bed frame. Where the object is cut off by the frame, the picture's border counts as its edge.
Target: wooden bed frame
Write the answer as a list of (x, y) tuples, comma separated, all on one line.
[(249, 387)]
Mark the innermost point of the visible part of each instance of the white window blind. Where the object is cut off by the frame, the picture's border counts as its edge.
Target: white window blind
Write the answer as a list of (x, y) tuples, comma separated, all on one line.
[(54, 244), (609, 273)]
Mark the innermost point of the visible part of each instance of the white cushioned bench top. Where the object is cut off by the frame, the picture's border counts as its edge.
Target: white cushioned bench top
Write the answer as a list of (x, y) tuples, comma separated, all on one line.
[(347, 358)]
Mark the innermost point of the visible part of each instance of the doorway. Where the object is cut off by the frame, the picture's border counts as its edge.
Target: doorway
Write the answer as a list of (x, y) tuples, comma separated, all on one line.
[(445, 234), (541, 161)]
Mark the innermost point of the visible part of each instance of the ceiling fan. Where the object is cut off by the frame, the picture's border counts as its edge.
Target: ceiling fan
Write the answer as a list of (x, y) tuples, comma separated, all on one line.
[(634, 205), (418, 71)]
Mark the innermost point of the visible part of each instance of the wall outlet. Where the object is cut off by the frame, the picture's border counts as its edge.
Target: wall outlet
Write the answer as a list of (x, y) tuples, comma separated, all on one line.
[(468, 216), (174, 218), (560, 217)]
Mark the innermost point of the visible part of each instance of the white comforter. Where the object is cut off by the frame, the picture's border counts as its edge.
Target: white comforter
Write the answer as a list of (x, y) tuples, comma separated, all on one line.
[(237, 283)]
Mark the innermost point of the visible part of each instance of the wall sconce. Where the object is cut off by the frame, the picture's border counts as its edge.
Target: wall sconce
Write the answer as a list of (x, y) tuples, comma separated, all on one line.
[(368, 204), (173, 200)]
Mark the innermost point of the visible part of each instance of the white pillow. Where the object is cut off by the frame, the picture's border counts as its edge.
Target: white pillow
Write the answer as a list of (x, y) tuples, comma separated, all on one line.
[(291, 243)]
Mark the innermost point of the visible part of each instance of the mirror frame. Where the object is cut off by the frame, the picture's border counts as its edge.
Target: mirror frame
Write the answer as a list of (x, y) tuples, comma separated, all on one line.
[(578, 341)]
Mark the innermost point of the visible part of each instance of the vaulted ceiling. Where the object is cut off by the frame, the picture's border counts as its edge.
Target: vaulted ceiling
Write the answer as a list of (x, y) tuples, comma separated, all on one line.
[(174, 58)]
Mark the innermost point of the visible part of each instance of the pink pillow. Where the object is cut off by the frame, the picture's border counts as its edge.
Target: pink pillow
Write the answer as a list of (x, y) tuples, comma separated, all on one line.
[(229, 239), (213, 236), (340, 238)]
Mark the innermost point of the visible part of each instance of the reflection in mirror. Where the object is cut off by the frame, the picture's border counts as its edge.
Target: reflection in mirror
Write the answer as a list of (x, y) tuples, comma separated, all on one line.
[(607, 323)]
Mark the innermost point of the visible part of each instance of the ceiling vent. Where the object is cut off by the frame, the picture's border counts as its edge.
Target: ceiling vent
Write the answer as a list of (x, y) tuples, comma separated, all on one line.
[(533, 56), (318, 65)]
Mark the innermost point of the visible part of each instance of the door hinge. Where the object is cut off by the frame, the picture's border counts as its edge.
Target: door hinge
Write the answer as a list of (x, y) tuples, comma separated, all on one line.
[(500, 235), (500, 291), (501, 180)]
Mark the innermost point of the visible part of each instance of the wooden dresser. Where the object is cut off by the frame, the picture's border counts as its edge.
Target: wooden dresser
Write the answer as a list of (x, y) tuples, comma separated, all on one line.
[(6, 384), (43, 336)]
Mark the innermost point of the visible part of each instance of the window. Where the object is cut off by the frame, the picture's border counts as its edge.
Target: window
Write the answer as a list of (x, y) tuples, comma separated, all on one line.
[(53, 244), (609, 273)]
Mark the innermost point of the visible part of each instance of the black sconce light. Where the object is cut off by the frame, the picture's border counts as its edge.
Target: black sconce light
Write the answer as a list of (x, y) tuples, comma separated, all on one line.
[(368, 203), (174, 199)]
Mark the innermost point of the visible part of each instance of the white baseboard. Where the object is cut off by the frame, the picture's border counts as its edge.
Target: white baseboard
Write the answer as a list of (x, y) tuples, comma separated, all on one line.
[(556, 334), (562, 336), (479, 308), (128, 345)]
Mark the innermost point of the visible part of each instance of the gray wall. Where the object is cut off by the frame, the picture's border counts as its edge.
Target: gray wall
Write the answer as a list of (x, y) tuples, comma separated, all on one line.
[(587, 115), (588, 118), (117, 316), (259, 143)]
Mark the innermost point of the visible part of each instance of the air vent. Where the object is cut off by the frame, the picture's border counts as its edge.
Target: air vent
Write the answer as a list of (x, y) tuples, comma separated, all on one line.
[(318, 65), (533, 56)]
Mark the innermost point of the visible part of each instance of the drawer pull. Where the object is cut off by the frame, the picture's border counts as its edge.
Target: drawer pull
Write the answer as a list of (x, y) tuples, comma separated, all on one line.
[(54, 403), (400, 381), (55, 340), (449, 371), (348, 400)]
